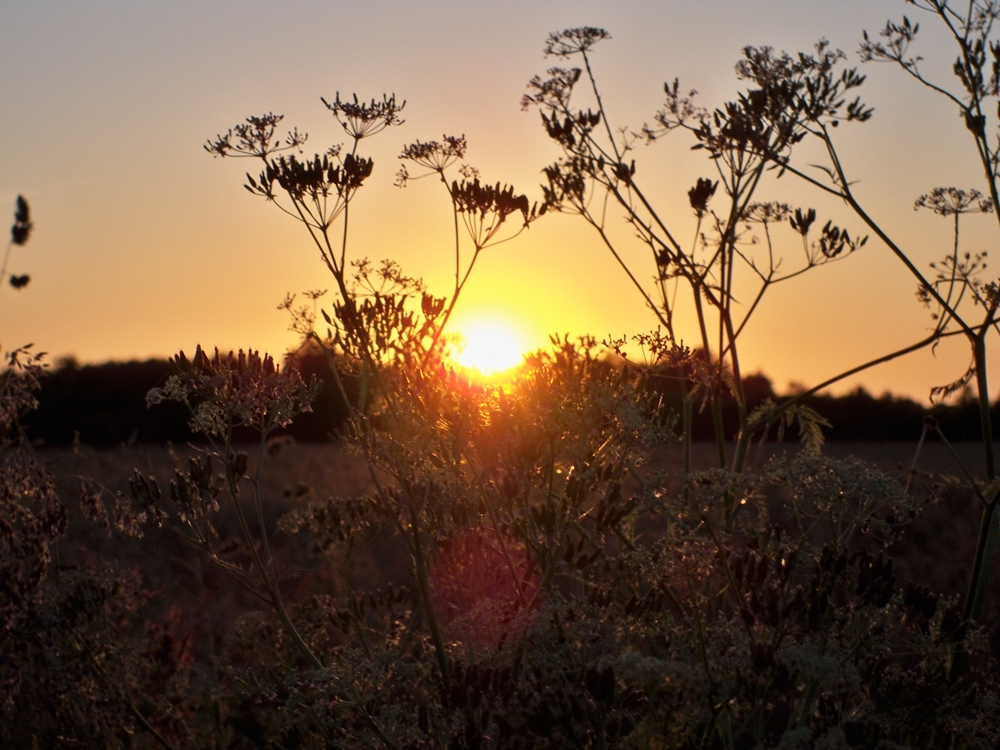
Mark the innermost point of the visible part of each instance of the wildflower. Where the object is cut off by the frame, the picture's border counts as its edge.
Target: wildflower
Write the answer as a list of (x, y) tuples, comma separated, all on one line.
[(241, 389), (314, 179), (436, 156), (19, 234), (835, 240), (801, 222), (573, 41), (952, 201), (255, 137), (486, 207), (361, 120), (700, 194)]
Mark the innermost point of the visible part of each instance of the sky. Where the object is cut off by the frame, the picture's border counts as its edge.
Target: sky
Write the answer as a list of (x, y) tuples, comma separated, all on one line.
[(144, 244)]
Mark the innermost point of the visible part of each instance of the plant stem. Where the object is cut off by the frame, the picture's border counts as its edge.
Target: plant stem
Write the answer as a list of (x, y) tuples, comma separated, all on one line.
[(6, 257), (986, 541)]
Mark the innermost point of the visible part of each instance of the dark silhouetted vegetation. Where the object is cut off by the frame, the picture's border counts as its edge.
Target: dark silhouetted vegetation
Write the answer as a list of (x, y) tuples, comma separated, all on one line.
[(105, 405), (508, 565)]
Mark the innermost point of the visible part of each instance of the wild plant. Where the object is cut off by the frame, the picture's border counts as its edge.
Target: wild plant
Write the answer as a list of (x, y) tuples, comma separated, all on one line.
[(20, 232), (725, 261), (560, 590), (71, 666), (792, 99), (32, 516), (805, 96), (222, 395), (559, 593), (391, 348)]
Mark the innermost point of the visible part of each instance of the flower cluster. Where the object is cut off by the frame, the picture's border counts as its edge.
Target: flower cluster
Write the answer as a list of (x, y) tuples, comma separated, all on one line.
[(362, 120), (21, 230), (951, 201), (485, 208), (241, 389), (315, 179), (255, 137)]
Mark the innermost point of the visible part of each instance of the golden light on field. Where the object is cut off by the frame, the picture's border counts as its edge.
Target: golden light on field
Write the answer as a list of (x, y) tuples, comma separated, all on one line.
[(490, 346)]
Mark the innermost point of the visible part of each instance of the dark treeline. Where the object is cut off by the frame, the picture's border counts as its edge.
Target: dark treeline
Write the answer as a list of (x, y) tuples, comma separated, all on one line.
[(104, 405), (856, 416)]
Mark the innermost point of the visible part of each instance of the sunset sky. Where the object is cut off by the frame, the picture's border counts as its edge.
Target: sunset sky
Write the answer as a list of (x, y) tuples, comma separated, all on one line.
[(144, 244)]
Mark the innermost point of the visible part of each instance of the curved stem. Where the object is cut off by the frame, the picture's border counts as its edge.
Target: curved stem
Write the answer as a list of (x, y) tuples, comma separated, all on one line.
[(6, 257)]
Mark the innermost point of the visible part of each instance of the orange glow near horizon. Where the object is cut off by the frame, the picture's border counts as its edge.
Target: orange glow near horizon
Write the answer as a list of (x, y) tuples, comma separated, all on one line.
[(144, 244)]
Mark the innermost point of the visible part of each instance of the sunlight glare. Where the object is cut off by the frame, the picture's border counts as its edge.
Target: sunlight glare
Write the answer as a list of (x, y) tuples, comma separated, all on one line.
[(490, 347)]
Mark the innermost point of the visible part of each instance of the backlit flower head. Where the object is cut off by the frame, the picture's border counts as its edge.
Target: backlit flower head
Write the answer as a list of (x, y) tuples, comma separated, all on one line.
[(361, 120), (950, 201), (255, 137), (434, 155), (572, 41), (239, 389)]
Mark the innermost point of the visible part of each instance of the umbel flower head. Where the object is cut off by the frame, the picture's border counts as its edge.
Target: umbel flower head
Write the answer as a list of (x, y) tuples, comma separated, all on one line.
[(361, 120), (951, 201), (574, 41), (312, 179), (242, 389), (255, 137), (485, 207), (432, 155), (701, 193)]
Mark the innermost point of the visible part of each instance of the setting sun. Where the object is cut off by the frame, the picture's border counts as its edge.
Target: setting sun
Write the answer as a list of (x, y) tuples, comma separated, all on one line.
[(490, 347)]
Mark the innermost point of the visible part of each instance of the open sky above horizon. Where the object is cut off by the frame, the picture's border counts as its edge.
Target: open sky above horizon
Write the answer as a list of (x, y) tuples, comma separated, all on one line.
[(144, 244)]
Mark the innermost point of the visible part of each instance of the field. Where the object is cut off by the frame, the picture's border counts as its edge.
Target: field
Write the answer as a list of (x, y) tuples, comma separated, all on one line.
[(936, 549)]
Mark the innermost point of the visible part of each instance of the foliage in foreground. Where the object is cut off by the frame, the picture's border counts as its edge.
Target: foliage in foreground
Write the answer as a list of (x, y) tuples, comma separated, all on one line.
[(557, 591), (561, 594)]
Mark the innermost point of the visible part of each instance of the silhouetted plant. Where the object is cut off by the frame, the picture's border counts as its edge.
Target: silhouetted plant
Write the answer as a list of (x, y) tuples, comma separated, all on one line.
[(806, 96), (792, 99), (558, 591), (558, 594), (597, 169), (19, 234)]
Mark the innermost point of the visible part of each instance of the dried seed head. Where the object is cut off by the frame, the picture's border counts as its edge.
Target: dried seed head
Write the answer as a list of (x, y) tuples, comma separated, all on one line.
[(361, 120), (573, 41), (21, 230), (700, 194), (951, 201)]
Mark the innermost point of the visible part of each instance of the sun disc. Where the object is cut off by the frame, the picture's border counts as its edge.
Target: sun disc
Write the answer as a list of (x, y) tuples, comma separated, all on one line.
[(490, 347)]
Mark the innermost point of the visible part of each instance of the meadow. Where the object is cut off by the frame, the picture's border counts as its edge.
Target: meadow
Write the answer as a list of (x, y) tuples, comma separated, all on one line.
[(203, 624), (933, 551), (550, 559)]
